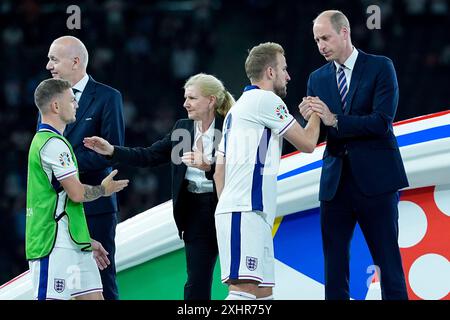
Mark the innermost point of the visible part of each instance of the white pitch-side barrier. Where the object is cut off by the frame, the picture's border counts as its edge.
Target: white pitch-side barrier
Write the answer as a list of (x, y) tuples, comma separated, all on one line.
[(424, 145)]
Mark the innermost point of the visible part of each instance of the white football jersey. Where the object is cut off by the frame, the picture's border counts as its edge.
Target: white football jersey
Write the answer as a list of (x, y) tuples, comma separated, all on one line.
[(251, 144)]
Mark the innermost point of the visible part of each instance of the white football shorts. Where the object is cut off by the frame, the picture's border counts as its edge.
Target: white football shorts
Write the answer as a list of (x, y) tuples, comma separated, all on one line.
[(245, 247), (64, 274)]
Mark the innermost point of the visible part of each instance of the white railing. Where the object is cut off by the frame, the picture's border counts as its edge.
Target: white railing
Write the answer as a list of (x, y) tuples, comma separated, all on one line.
[(153, 233)]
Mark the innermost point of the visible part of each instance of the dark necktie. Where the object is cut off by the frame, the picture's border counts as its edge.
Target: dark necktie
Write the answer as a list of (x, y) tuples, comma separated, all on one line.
[(75, 91), (342, 86)]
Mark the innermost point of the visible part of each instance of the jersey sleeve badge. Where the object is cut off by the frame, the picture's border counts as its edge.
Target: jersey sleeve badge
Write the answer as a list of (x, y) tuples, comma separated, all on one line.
[(64, 159), (281, 112)]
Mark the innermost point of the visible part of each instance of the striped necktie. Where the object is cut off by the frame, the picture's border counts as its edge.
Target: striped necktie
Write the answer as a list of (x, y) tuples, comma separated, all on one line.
[(342, 86)]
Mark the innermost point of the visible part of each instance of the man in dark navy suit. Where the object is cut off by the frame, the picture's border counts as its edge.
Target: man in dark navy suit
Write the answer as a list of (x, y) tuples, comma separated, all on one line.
[(99, 113), (356, 96)]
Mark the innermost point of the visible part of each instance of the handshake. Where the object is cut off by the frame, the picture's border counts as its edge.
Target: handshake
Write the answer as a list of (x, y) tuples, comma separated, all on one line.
[(309, 105)]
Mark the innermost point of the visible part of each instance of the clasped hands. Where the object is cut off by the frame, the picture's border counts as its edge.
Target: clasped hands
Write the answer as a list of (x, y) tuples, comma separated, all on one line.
[(309, 105)]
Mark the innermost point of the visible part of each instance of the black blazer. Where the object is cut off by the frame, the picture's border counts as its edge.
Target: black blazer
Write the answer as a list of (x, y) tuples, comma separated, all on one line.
[(179, 140)]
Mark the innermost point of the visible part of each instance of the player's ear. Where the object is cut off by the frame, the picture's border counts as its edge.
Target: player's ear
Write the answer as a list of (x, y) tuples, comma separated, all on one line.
[(54, 106), (269, 73)]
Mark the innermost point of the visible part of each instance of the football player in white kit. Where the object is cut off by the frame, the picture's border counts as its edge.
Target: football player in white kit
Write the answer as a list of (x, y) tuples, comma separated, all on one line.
[(63, 259), (246, 173)]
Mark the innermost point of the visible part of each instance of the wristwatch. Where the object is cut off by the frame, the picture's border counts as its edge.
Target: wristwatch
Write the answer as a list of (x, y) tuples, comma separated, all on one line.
[(335, 124)]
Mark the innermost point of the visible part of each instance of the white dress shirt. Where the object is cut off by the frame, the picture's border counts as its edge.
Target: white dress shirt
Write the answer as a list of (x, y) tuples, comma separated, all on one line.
[(80, 85), (197, 181), (349, 66)]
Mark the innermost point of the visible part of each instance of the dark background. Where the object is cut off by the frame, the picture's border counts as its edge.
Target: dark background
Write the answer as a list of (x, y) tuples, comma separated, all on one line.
[(147, 49)]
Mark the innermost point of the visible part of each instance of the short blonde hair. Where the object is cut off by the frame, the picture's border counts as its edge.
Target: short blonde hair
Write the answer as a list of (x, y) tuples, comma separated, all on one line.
[(260, 57), (211, 86)]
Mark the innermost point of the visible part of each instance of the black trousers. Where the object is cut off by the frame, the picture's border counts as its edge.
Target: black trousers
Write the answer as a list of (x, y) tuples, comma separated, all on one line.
[(378, 218), (102, 228), (200, 245)]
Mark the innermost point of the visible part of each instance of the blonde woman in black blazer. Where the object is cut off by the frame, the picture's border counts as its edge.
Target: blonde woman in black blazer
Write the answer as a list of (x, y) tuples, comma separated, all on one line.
[(190, 148)]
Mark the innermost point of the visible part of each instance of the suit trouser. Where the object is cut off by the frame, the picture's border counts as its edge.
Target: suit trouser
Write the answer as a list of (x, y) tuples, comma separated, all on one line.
[(102, 228), (378, 218), (200, 245)]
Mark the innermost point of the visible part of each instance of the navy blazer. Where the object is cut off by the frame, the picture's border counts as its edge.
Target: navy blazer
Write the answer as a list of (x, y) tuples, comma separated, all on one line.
[(365, 132), (179, 140), (100, 114)]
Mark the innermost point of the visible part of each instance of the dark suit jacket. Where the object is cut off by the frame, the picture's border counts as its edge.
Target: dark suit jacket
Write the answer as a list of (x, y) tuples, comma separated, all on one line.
[(179, 140), (99, 113), (365, 132)]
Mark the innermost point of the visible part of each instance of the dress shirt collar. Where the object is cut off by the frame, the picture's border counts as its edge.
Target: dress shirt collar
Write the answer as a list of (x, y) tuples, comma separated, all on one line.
[(80, 85), (350, 62), (208, 132)]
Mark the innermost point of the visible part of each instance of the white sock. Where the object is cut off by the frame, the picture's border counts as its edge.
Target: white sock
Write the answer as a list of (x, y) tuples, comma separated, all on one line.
[(266, 298), (240, 295)]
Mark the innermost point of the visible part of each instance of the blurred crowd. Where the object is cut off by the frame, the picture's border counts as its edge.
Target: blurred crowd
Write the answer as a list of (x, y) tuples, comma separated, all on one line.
[(147, 49)]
